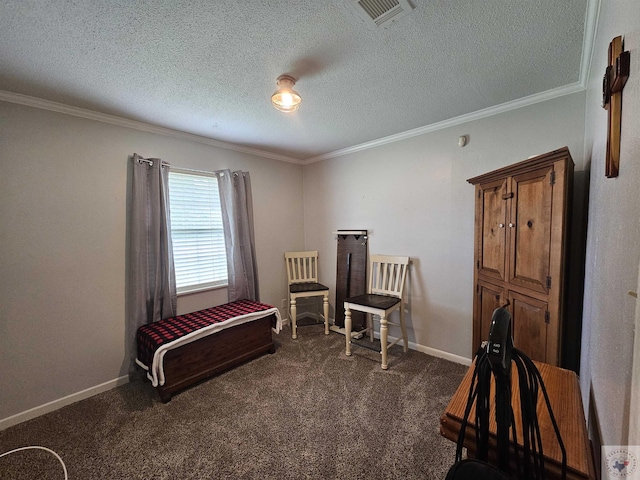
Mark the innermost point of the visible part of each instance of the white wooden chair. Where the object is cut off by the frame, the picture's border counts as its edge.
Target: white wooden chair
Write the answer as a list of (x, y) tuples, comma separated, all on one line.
[(302, 274), (387, 276)]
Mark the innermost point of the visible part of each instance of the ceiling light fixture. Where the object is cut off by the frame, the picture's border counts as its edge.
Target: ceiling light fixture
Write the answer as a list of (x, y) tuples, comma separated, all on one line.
[(286, 99)]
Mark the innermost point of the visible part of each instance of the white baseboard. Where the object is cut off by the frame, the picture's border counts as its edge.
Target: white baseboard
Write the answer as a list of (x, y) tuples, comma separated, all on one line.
[(434, 352), (61, 402), (441, 354), (420, 348)]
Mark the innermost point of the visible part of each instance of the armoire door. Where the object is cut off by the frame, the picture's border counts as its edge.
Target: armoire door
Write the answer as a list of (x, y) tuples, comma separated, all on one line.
[(529, 229), (529, 324), (491, 218), (490, 297)]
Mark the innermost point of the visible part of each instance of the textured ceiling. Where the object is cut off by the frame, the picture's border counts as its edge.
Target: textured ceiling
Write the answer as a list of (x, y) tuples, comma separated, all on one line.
[(209, 67)]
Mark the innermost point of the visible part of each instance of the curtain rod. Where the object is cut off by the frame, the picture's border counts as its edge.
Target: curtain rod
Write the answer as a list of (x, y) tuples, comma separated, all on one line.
[(165, 164), (148, 161)]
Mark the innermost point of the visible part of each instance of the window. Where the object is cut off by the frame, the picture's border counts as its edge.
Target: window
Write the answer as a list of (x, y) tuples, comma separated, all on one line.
[(196, 231)]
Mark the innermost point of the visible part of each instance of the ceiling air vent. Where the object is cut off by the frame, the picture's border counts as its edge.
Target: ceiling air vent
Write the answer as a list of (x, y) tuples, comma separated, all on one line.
[(379, 13)]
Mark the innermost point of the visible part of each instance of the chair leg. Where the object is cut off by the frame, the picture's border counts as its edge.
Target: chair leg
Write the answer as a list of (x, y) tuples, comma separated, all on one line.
[(370, 326), (347, 331), (383, 341), (404, 328), (325, 310), (294, 325)]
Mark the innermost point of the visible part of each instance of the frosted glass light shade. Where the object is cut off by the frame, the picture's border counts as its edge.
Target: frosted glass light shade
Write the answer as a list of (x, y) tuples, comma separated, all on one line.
[(286, 99)]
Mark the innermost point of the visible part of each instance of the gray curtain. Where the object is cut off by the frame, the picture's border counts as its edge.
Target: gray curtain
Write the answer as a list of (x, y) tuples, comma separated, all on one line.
[(237, 218), (151, 292)]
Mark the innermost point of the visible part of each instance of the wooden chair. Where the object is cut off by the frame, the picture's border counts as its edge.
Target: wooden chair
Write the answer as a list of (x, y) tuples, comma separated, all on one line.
[(387, 276), (302, 274)]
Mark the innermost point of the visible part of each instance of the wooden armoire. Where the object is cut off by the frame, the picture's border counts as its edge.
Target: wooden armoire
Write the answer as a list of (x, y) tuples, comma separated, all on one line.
[(521, 236)]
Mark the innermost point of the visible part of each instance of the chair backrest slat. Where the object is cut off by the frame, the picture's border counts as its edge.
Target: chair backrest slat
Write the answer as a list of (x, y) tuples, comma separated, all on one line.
[(388, 274), (302, 267)]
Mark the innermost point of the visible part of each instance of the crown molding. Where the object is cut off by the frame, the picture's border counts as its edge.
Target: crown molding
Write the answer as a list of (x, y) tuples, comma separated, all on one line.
[(469, 117), (588, 43), (147, 127), (35, 102)]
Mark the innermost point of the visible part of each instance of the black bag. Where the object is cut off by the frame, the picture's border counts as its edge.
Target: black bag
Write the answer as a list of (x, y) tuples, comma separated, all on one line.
[(474, 470)]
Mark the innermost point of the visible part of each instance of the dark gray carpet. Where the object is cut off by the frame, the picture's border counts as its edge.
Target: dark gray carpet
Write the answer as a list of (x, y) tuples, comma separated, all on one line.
[(307, 411)]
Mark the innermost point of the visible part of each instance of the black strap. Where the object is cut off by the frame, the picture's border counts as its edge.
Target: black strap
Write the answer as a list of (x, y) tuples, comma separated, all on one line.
[(532, 466)]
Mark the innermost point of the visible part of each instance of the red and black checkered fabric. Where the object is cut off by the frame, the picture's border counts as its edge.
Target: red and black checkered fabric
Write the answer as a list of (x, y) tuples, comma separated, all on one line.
[(153, 335)]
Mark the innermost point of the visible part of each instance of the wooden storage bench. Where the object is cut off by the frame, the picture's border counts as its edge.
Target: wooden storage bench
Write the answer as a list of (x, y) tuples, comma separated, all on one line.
[(180, 351)]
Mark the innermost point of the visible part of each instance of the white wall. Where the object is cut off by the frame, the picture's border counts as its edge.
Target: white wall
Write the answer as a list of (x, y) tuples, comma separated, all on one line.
[(613, 246), (413, 197), (63, 191)]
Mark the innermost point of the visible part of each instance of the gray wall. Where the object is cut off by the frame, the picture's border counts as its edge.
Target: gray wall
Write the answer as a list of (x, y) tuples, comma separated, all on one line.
[(63, 191), (613, 247), (413, 197)]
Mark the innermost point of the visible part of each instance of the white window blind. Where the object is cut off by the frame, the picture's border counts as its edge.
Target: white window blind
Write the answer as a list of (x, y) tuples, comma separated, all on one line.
[(196, 231)]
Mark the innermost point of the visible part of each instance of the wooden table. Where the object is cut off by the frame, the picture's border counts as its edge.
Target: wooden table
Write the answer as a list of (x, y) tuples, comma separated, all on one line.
[(564, 394)]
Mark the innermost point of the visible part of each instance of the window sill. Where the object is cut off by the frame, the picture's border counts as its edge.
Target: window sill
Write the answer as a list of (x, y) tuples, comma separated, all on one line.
[(201, 290)]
